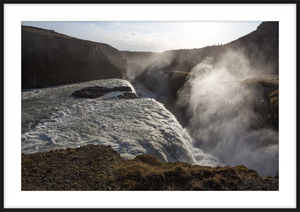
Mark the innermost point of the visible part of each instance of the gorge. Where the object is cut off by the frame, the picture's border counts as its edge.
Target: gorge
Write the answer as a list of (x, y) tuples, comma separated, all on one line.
[(213, 106)]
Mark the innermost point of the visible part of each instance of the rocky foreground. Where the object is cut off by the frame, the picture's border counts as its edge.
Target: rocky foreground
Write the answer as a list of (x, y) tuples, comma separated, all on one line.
[(99, 167)]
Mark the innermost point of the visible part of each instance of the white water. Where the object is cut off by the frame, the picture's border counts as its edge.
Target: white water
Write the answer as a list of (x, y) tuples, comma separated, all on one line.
[(53, 119)]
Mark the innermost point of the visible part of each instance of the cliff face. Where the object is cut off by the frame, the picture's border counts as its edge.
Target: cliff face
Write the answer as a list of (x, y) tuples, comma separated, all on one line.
[(50, 58), (138, 61), (257, 51), (261, 48)]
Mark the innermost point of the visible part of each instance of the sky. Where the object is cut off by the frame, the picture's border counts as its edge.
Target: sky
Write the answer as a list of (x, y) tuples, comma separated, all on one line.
[(151, 36)]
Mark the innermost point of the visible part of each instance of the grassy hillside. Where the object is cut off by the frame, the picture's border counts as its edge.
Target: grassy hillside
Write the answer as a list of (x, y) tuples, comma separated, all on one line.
[(50, 58), (95, 167)]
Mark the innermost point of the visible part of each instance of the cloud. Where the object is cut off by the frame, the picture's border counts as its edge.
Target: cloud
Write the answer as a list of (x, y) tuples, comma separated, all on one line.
[(153, 39)]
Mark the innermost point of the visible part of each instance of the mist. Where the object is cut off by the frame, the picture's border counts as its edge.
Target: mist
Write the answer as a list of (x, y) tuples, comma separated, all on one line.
[(222, 116), (137, 62)]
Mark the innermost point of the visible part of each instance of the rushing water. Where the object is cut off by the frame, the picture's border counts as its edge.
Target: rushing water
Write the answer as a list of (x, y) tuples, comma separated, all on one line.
[(53, 119)]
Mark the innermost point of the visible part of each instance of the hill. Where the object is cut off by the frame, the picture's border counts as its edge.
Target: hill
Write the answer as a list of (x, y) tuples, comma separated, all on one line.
[(50, 58)]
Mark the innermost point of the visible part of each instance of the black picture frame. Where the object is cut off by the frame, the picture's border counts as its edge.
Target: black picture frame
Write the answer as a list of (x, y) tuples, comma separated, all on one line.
[(4, 136)]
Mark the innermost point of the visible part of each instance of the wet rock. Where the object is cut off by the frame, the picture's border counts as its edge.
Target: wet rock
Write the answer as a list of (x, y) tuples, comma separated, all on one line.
[(127, 96), (97, 91)]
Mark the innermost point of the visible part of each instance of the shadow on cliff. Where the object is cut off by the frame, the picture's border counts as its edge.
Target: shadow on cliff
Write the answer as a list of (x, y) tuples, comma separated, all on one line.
[(50, 58)]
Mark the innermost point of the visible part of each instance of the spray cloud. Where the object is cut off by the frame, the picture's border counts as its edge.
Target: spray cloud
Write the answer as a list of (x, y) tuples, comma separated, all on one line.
[(223, 120)]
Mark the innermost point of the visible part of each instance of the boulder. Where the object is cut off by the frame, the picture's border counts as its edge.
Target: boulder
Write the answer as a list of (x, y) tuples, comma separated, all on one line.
[(97, 91)]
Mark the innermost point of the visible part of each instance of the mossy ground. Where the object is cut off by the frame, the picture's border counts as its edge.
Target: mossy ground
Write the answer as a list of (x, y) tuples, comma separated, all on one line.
[(99, 167)]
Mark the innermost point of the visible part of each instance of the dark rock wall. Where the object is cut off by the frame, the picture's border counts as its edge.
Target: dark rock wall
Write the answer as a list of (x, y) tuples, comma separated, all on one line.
[(50, 58)]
